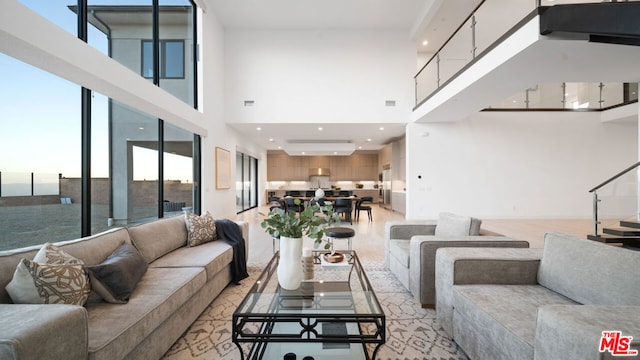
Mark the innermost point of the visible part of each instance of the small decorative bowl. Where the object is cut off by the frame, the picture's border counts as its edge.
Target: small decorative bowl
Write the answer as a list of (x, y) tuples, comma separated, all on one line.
[(333, 258)]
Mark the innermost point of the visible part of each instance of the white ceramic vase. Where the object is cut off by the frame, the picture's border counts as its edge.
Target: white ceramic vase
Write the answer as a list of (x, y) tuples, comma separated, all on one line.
[(290, 263), (319, 193)]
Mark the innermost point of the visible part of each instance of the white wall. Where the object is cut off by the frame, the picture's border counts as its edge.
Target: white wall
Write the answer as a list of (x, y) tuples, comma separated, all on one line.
[(318, 76), (514, 165), (221, 203)]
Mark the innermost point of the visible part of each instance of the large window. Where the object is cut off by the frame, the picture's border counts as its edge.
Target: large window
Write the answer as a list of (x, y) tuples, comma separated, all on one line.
[(59, 181), (246, 182), (39, 156)]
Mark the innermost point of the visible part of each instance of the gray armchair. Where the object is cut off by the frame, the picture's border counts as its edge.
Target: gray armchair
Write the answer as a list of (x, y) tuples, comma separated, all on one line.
[(410, 248)]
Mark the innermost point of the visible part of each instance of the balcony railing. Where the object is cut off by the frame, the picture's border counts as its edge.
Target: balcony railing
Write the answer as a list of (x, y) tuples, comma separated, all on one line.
[(485, 27), (616, 199), (571, 96)]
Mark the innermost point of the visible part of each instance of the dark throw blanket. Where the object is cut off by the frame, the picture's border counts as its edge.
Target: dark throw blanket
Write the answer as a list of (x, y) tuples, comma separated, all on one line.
[(230, 232)]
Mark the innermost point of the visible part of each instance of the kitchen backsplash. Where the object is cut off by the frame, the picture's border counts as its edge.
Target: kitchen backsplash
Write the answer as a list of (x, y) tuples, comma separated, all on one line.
[(307, 185)]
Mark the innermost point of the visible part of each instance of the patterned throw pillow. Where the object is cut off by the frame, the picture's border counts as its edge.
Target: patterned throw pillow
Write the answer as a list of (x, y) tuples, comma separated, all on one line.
[(51, 254), (200, 229), (36, 283)]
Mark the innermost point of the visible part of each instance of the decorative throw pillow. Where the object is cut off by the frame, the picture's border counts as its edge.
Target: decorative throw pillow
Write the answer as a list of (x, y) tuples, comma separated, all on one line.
[(36, 283), (116, 277), (200, 229), (450, 225), (51, 254)]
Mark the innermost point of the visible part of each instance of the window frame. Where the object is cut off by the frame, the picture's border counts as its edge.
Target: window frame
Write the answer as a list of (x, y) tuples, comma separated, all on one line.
[(163, 58)]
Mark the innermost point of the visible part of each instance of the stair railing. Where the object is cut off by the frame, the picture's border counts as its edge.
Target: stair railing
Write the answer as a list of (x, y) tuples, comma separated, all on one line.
[(596, 200)]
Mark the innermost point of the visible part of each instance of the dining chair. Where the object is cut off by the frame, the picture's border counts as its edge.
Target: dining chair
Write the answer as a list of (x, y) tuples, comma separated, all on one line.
[(361, 207)]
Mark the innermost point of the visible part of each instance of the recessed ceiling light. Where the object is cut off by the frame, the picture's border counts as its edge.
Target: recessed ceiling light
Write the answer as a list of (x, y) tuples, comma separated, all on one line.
[(258, 128), (271, 140), (360, 147), (369, 140), (320, 128), (140, 128), (279, 147), (381, 128), (425, 42)]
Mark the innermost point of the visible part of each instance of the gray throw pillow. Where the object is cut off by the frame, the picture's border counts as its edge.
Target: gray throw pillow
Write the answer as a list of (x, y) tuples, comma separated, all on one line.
[(451, 225), (116, 277)]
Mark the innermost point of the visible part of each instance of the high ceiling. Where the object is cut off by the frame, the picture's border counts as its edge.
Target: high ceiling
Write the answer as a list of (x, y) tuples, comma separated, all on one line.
[(327, 14), (432, 20), (314, 14)]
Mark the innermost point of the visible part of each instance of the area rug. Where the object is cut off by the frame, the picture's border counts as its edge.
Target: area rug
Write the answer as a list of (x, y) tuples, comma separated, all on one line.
[(412, 332)]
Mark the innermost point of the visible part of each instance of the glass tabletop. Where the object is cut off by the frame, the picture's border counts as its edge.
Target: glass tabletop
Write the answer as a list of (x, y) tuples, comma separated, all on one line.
[(342, 287)]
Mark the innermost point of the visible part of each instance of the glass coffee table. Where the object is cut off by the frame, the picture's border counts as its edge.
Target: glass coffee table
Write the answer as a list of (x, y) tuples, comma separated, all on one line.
[(335, 315)]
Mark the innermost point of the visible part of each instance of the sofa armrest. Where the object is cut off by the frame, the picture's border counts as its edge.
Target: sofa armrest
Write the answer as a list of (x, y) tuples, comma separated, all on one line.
[(574, 331), (465, 266), (244, 226), (404, 230), (422, 267), (43, 332)]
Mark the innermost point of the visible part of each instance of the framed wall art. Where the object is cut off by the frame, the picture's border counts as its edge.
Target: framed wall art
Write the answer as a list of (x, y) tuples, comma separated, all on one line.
[(223, 168)]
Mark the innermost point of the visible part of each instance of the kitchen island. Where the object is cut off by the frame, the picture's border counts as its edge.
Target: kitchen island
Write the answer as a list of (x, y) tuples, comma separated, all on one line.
[(328, 192)]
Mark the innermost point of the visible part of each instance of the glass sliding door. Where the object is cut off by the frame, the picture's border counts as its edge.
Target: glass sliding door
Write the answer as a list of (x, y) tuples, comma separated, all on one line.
[(178, 170), (246, 182)]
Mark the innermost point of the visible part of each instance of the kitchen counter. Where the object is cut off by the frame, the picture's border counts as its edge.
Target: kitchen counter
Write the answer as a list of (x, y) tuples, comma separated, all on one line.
[(374, 193)]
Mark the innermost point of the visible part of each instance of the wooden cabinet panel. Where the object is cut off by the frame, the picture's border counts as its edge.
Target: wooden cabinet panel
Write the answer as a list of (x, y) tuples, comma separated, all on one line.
[(319, 162), (357, 167), (275, 164)]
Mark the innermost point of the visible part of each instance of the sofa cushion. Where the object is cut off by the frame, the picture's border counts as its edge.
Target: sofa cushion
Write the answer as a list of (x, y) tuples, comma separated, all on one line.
[(505, 312), (399, 249), (115, 330), (200, 229), (47, 332), (160, 237), (452, 225), (212, 256), (575, 332), (115, 278), (583, 269), (91, 250), (36, 283)]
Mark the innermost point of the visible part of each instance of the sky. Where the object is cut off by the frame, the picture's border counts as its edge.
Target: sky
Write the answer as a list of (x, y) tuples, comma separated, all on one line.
[(46, 109)]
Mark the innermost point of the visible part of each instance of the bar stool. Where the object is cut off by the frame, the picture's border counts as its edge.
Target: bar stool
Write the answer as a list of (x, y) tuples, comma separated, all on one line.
[(340, 233)]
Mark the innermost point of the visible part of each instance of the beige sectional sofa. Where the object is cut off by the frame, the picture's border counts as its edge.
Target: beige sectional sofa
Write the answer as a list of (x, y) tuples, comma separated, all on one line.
[(545, 304), (179, 284)]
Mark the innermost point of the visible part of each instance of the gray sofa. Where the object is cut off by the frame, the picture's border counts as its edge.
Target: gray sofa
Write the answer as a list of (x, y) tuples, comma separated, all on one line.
[(410, 251), (179, 284), (550, 303)]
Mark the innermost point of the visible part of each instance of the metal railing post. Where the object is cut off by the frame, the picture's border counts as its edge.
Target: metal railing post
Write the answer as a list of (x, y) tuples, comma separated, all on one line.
[(595, 213), (601, 100), (438, 69), (473, 36)]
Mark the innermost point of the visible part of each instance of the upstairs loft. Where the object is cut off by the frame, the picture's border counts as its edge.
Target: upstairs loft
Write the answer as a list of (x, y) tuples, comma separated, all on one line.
[(561, 44)]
